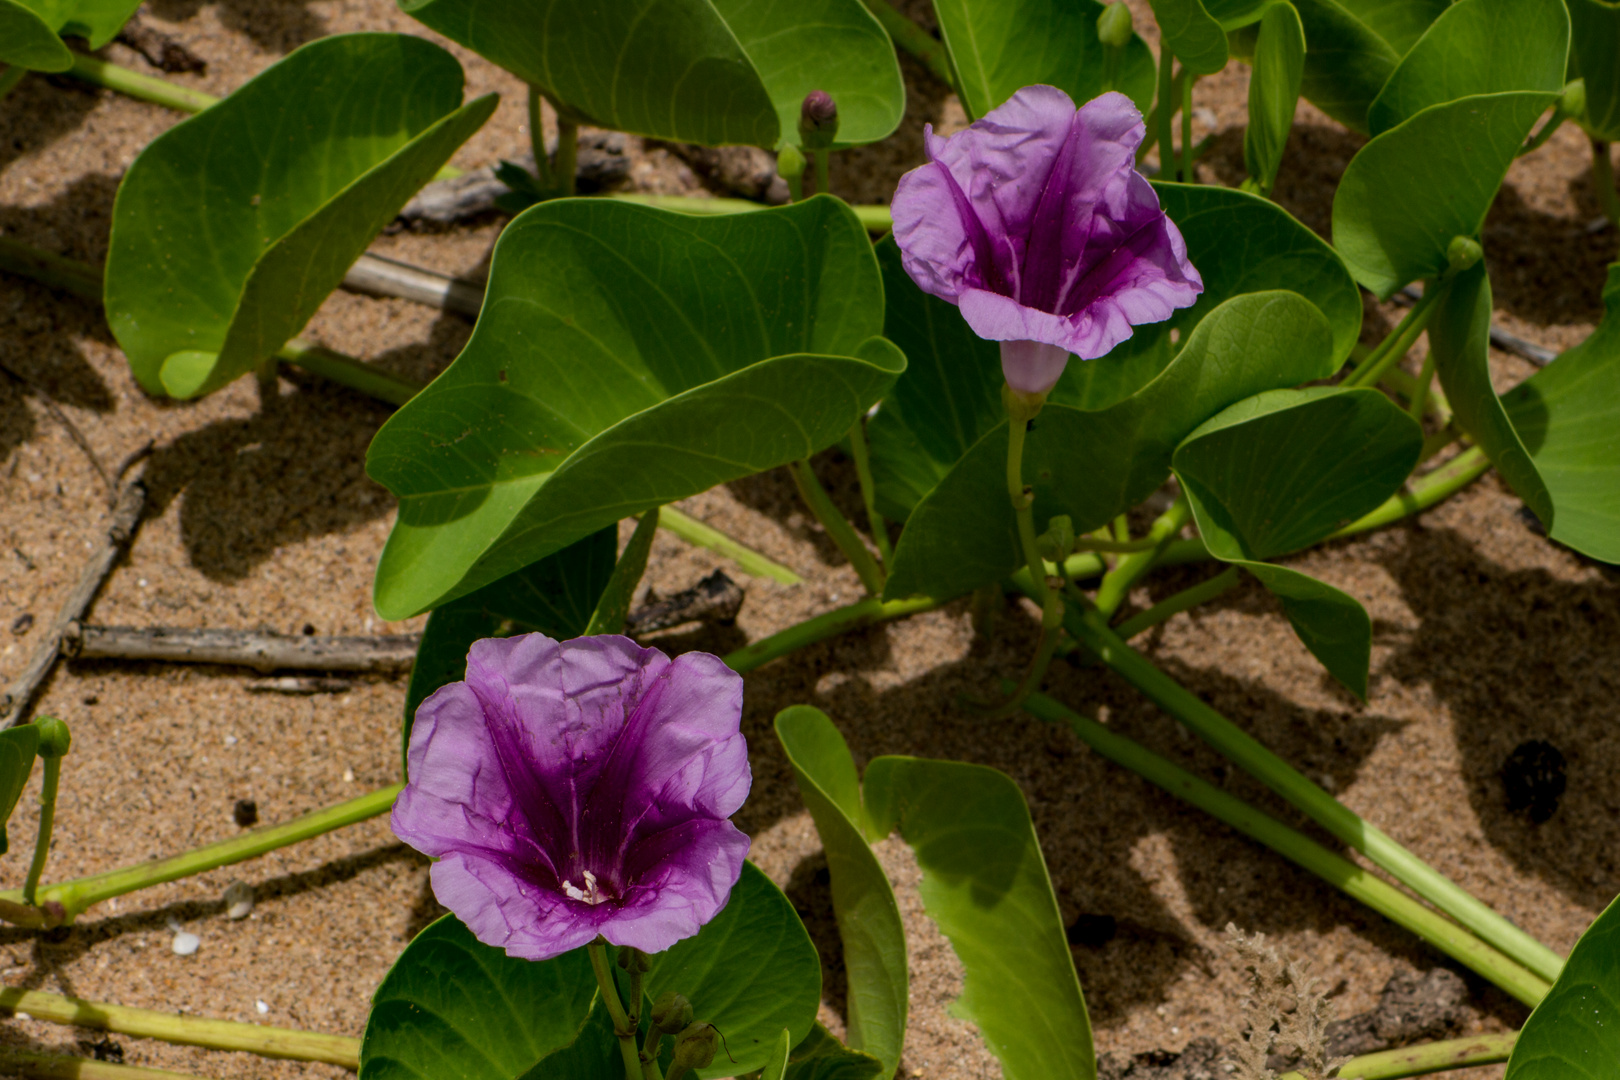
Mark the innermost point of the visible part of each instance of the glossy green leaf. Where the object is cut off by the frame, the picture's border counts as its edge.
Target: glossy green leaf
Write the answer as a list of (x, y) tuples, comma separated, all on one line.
[(1409, 191), (1574, 1033), (453, 1008), (231, 228), (1281, 470), (984, 882), (555, 596), (17, 748), (1459, 337), (1193, 35), (704, 71), (1477, 47), (1237, 14), (819, 1056), (614, 605), (593, 1055), (27, 40), (1595, 27), (1000, 46), (627, 357), (1568, 417), (776, 1065), (1279, 61), (868, 918), (1093, 465), (751, 972), (1353, 46)]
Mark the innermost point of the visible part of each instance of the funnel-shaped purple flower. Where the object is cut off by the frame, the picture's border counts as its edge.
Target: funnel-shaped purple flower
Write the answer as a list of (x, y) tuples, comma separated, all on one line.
[(576, 788), (1036, 224)]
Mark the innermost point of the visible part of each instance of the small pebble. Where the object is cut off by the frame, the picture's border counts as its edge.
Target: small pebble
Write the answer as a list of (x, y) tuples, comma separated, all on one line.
[(245, 813), (261, 1006), (239, 900), (348, 776), (186, 943)]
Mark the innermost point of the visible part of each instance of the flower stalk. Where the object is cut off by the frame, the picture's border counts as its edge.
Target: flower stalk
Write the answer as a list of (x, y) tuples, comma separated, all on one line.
[(623, 1029)]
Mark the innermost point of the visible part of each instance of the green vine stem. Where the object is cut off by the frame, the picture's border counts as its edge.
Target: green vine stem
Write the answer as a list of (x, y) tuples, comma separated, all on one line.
[(916, 41), (1337, 871), (838, 527), (1427, 1058), (567, 166), (1237, 746), (868, 612), (98, 72), (1165, 109), (537, 140), (1186, 599), (258, 1039), (1603, 181), (42, 840), (698, 534), (1423, 492), (622, 1027), (1393, 348), (862, 453), (347, 371), (33, 1065), (1117, 583)]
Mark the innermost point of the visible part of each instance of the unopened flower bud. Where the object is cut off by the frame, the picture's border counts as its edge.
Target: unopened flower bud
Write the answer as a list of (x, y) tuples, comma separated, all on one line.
[(671, 1013), (1114, 26), (54, 738), (1463, 252), (1572, 102), (790, 163), (695, 1047), (1058, 540), (818, 120)]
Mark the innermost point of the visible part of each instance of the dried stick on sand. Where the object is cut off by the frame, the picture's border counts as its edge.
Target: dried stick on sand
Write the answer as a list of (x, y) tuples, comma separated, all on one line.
[(378, 653)]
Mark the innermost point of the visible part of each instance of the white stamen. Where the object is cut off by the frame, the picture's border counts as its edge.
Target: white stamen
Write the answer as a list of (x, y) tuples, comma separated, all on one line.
[(589, 894)]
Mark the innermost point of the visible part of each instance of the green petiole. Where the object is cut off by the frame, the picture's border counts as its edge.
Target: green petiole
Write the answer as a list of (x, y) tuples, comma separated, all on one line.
[(1393, 348), (622, 1027), (1165, 109), (698, 534), (42, 841), (1117, 583), (863, 470), (838, 527), (1184, 600), (915, 40)]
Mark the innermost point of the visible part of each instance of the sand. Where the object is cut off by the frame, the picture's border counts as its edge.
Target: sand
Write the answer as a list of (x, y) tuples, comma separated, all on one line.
[(1485, 635)]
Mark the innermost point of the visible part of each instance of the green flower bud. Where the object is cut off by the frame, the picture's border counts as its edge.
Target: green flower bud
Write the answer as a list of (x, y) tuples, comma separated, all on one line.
[(790, 163), (1057, 541), (695, 1047), (1463, 252), (1114, 27), (818, 120), (54, 738), (671, 1013), (1572, 102)]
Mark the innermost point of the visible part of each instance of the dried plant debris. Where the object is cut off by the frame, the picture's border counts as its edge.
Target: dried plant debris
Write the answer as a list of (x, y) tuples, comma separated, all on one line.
[(745, 171), (603, 163), (1284, 1010), (715, 599), (1413, 1008), (1202, 1059), (1533, 779), (160, 50)]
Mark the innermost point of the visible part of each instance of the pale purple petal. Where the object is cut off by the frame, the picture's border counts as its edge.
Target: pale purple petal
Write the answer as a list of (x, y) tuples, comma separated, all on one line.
[(1032, 367)]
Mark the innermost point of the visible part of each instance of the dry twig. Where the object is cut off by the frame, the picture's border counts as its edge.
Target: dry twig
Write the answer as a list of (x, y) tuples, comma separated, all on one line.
[(378, 653)]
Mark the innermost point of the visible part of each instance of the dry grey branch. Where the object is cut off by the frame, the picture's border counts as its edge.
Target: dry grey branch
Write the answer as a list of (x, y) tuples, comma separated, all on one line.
[(379, 276), (378, 653), (714, 599), (1503, 340)]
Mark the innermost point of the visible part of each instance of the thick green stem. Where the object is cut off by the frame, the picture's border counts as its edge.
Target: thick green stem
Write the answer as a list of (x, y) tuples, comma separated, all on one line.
[(1603, 181), (1184, 600), (1430, 1057), (1393, 348), (42, 841), (1116, 585), (1337, 871), (622, 1027), (863, 471), (99, 72), (186, 1030), (55, 271), (915, 40), (1114, 547), (347, 371), (838, 527), (1184, 172), (866, 612), (567, 155), (1166, 108), (1339, 820), (537, 140), (8, 81), (36, 1066), (698, 534), (1424, 492), (1420, 393)]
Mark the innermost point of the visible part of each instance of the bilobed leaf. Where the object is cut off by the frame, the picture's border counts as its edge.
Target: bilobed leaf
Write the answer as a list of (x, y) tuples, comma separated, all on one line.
[(984, 882), (1459, 336), (1000, 46), (1574, 1033), (1477, 47), (1567, 416), (452, 1006), (627, 357), (868, 918), (1595, 26), (27, 40), (704, 71), (1191, 33), (751, 972), (1093, 465), (1279, 60), (1409, 191), (1353, 46), (231, 228), (17, 748)]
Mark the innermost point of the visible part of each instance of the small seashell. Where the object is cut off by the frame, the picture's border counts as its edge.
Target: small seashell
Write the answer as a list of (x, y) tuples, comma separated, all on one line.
[(262, 1007), (238, 900), (186, 943)]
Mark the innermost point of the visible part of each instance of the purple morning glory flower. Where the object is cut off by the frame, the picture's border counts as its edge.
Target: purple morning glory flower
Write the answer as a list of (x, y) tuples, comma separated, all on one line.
[(576, 788), (1036, 224)]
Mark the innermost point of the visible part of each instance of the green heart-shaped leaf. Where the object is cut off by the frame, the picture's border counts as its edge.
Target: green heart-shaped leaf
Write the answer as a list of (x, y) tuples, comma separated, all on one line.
[(1574, 1034), (984, 882), (17, 748), (27, 40), (1093, 465), (819, 1056), (1459, 337), (1279, 61), (1192, 34), (593, 1055), (627, 357), (1477, 47), (1595, 26), (1567, 415), (704, 71), (1332, 624), (231, 228), (1000, 46), (1409, 191), (1353, 45), (868, 918)]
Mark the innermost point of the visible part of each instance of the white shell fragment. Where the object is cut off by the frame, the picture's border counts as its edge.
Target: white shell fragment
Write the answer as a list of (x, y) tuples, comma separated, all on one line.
[(186, 943), (238, 900), (262, 1007)]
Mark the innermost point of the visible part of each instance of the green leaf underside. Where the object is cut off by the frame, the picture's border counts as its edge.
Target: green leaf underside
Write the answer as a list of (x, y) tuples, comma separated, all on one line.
[(1409, 191), (627, 357), (1568, 418), (18, 746), (704, 71), (1279, 471), (232, 227), (1477, 47), (1236, 14), (984, 882), (1000, 46), (869, 924), (752, 971), (1594, 28), (963, 533), (1459, 337), (554, 596), (776, 1065), (1353, 46), (1574, 1034), (1279, 62), (1191, 34), (27, 40), (949, 397)]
